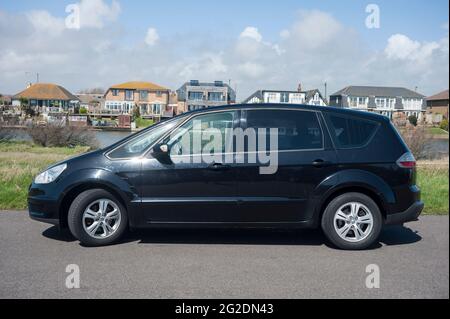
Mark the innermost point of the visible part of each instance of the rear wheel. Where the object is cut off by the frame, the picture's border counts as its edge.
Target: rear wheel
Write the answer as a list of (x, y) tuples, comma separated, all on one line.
[(352, 221), (97, 218)]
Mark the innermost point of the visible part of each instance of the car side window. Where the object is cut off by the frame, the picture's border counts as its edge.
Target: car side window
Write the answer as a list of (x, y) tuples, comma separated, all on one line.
[(193, 137), (138, 145), (297, 130), (350, 132)]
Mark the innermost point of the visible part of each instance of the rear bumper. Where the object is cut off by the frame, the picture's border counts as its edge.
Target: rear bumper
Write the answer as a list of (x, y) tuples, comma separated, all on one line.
[(411, 214)]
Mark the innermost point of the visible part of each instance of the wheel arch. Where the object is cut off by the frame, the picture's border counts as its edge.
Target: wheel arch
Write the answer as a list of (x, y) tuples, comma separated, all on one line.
[(353, 189), (353, 180), (70, 195)]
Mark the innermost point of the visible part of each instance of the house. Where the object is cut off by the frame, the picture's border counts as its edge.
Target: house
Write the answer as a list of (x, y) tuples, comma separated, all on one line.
[(5, 99), (151, 99), (438, 104), (47, 98), (310, 97), (384, 100), (91, 101), (195, 95)]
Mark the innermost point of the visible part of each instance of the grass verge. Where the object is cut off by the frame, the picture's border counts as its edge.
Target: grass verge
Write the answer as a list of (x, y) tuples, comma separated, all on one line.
[(142, 123), (20, 162), (433, 182)]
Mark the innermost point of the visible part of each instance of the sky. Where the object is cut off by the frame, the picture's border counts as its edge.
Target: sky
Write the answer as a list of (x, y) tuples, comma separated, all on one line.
[(253, 44)]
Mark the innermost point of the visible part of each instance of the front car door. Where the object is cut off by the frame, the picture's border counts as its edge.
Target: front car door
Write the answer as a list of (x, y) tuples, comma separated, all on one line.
[(196, 187)]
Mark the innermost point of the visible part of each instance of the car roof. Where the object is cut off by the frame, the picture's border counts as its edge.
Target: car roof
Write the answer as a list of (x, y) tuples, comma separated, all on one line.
[(329, 109)]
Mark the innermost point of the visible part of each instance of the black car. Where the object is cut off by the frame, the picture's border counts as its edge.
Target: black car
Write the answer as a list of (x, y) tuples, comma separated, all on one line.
[(348, 172)]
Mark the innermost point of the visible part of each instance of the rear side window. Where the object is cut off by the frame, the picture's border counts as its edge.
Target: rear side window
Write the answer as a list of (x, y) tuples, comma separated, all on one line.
[(350, 132), (297, 130)]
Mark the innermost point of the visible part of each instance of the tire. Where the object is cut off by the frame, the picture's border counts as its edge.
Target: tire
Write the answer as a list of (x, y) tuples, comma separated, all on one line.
[(95, 210), (350, 231)]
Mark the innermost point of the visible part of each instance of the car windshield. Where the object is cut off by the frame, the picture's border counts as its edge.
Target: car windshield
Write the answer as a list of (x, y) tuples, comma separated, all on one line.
[(139, 144)]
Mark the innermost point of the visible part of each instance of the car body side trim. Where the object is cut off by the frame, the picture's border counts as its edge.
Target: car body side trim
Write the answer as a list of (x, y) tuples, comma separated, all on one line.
[(163, 200)]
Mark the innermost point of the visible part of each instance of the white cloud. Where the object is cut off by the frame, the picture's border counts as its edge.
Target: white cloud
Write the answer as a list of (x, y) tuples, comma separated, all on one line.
[(94, 13), (284, 34), (44, 22), (251, 70), (251, 33), (315, 48), (401, 47), (152, 37)]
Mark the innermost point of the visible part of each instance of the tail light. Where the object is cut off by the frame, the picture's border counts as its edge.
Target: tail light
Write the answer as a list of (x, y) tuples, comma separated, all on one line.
[(407, 160)]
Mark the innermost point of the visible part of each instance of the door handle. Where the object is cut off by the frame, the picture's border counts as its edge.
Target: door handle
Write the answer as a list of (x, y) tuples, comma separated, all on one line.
[(320, 163), (219, 167)]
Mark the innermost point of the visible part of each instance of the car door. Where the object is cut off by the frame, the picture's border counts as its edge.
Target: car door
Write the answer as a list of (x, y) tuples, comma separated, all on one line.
[(196, 187), (304, 155)]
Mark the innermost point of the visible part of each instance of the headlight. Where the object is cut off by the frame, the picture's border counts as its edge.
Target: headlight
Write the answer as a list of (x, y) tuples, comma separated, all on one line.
[(50, 175)]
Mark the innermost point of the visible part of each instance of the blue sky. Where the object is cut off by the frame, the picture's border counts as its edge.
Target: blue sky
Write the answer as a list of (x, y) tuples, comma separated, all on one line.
[(239, 40), (420, 19)]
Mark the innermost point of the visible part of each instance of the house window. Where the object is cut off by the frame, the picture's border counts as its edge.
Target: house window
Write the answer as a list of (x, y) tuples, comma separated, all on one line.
[(412, 104), (284, 97), (356, 101), (272, 98), (216, 96), (297, 98), (143, 95), (158, 93), (391, 103), (129, 95), (195, 96), (380, 102), (156, 109), (115, 92)]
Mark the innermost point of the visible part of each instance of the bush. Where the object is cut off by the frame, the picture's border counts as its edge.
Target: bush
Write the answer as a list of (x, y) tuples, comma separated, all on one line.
[(60, 135), (417, 139), (83, 110), (6, 134), (413, 120), (444, 125)]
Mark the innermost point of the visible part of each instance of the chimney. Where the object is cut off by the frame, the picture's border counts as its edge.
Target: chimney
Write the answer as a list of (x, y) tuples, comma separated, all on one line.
[(299, 88), (29, 84)]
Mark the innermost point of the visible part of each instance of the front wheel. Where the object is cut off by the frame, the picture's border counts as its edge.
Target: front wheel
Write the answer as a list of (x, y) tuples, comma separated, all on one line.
[(97, 218), (352, 221)]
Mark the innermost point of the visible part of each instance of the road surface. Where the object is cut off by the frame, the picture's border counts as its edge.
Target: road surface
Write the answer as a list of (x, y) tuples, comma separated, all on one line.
[(413, 262)]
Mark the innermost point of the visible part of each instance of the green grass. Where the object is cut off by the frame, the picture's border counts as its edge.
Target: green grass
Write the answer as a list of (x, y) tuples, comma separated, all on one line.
[(433, 183), (20, 162), (436, 131), (140, 122)]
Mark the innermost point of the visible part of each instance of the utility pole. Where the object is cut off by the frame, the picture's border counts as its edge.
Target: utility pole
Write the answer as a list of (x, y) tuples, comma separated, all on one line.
[(326, 96), (37, 77)]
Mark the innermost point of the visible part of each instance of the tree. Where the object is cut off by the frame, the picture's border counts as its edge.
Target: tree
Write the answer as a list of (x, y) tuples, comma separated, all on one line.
[(25, 107), (444, 125), (136, 112), (413, 120)]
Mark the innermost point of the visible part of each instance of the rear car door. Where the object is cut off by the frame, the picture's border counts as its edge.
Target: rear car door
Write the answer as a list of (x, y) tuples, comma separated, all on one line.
[(305, 158)]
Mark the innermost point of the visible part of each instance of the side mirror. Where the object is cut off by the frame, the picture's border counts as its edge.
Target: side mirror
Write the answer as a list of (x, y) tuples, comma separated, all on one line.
[(162, 153)]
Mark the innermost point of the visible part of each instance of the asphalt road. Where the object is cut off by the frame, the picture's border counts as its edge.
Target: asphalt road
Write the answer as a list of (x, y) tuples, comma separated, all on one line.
[(413, 261)]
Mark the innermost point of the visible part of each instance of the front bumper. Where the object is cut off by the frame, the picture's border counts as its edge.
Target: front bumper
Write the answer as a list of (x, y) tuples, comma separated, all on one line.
[(41, 207), (411, 214)]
